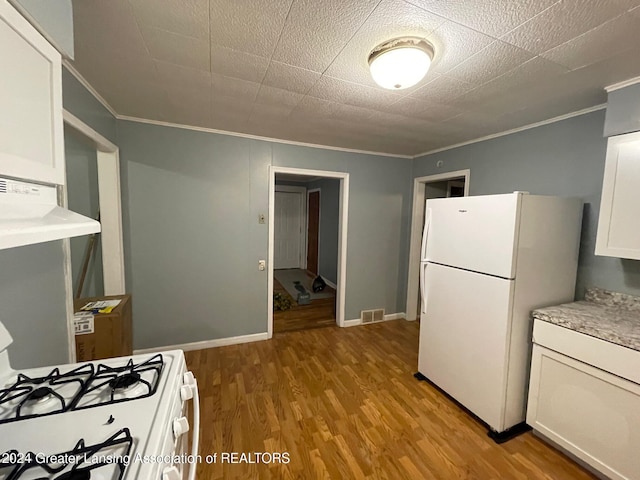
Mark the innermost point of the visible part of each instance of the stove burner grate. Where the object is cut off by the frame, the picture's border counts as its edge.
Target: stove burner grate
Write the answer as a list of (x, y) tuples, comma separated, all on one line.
[(86, 460), (84, 387), (26, 392), (120, 384)]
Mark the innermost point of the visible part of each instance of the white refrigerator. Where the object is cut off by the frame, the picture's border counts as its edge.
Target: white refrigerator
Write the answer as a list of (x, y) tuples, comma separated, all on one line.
[(486, 262)]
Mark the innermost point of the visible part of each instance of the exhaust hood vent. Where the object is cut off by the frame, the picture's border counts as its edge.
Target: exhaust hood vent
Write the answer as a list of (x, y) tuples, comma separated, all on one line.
[(29, 214)]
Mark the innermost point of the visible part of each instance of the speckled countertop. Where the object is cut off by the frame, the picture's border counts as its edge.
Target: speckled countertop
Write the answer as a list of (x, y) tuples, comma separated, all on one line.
[(610, 316)]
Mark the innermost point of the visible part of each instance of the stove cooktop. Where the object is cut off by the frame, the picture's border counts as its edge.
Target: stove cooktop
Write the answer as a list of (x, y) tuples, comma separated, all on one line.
[(85, 386), (60, 411), (104, 460)]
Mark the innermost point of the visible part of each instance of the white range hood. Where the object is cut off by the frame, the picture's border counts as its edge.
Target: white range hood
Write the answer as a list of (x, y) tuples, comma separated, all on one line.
[(29, 213)]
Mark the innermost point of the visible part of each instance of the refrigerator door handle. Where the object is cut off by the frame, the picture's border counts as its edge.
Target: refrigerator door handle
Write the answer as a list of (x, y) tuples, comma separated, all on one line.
[(425, 235), (423, 288)]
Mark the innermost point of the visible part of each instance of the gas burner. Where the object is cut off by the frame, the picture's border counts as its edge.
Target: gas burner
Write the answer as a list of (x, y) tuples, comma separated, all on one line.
[(54, 393), (40, 394), (76, 475), (120, 384), (108, 459), (124, 381)]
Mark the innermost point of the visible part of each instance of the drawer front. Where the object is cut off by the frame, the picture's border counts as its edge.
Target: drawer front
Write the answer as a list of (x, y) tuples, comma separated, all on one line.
[(621, 361), (589, 412)]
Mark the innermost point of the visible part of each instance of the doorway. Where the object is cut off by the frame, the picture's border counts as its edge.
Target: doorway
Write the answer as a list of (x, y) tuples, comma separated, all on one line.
[(313, 230), (297, 200), (108, 276), (450, 184)]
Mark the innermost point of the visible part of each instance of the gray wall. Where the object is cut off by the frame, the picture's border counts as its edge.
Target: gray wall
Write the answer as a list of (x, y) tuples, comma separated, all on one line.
[(623, 111), (32, 304), (84, 105), (82, 194), (564, 158), (194, 240), (54, 19), (329, 225), (379, 209)]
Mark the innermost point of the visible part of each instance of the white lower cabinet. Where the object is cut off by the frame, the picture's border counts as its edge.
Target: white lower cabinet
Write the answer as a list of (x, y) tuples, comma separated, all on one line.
[(591, 413)]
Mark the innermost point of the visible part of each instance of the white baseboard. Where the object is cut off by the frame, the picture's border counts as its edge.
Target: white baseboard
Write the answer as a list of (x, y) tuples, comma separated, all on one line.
[(390, 316), (218, 342), (331, 284)]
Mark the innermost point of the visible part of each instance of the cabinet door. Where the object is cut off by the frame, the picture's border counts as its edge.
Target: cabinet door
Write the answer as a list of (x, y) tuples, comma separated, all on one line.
[(31, 131), (587, 411), (618, 225)]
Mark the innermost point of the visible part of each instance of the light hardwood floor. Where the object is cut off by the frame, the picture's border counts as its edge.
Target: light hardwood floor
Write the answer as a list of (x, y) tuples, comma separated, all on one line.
[(344, 404), (319, 313)]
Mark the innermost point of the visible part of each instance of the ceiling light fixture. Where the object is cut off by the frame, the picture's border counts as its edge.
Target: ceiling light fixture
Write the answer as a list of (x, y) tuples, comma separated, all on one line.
[(400, 63)]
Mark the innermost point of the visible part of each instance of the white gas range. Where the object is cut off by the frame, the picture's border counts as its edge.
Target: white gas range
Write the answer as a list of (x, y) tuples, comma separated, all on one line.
[(115, 419)]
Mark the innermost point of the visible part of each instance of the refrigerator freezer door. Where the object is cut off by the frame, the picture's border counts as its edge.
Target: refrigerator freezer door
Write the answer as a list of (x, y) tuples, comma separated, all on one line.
[(473, 233), (464, 338)]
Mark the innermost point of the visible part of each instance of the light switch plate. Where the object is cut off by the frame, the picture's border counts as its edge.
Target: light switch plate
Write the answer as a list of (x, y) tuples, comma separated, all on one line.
[(262, 264)]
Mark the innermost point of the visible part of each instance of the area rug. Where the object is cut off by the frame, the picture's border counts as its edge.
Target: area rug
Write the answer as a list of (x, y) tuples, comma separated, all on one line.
[(288, 277)]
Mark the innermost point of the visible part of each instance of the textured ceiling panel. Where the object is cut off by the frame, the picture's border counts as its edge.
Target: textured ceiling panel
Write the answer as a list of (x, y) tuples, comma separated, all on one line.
[(277, 96), (493, 17), (442, 89), (562, 22), (454, 44), (105, 26), (413, 107), (288, 77), (233, 63), (316, 31), (185, 17), (173, 48), (613, 37), (336, 90), (172, 74), (234, 87), (248, 26), (297, 69), (491, 62)]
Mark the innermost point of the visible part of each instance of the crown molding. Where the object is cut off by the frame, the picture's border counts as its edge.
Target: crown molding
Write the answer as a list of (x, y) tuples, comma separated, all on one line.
[(515, 130), (72, 70), (619, 85), (258, 137)]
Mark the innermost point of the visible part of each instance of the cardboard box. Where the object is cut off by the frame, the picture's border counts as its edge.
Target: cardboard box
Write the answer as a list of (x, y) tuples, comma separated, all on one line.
[(107, 334)]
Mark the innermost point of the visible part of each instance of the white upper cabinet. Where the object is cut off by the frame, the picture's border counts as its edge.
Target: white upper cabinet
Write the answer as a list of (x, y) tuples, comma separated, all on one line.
[(619, 223), (31, 128)]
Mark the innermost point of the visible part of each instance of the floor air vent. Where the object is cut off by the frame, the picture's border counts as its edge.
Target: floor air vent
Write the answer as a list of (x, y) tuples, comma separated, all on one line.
[(370, 316)]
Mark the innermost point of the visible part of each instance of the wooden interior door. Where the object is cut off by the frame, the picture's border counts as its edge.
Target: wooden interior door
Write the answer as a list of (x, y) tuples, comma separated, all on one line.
[(313, 232)]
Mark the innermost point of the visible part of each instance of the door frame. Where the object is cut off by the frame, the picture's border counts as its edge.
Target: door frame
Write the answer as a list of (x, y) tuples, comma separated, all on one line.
[(413, 276), (313, 190), (343, 222), (303, 219), (109, 191)]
